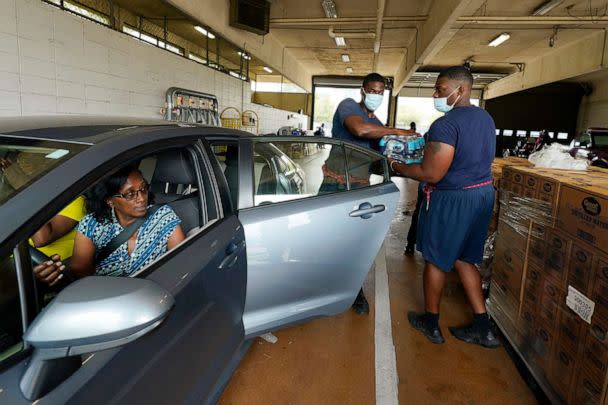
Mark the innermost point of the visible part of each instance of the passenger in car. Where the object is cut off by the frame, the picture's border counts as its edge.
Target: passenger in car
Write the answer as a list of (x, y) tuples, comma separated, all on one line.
[(119, 202), (56, 238)]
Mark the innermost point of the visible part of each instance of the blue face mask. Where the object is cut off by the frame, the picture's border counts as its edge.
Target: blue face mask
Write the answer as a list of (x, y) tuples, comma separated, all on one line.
[(372, 101), (441, 103)]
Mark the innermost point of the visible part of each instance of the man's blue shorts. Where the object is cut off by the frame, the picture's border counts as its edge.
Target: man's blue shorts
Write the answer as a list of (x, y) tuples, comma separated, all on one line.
[(455, 226)]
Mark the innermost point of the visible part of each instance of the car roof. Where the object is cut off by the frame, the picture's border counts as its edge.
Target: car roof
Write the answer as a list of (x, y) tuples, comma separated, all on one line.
[(90, 129)]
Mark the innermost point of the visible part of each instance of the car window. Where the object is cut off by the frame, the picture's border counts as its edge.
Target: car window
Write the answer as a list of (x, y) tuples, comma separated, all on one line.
[(24, 160), (365, 168), (227, 154), (11, 326), (600, 140), (286, 170), (172, 189)]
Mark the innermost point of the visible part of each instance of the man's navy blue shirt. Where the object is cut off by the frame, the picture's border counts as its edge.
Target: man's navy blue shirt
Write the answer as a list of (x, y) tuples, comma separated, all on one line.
[(346, 108), (471, 131)]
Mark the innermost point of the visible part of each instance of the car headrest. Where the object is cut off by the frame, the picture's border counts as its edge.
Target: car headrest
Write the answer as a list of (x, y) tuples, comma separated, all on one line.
[(173, 167)]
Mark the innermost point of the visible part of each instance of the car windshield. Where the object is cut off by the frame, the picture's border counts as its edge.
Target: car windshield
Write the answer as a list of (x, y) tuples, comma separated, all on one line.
[(22, 161), (600, 141)]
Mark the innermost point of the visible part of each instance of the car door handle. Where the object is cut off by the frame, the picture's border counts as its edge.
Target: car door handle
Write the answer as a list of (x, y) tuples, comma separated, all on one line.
[(233, 250), (366, 210)]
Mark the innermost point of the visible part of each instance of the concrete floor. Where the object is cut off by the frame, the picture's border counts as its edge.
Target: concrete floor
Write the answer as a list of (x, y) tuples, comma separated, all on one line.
[(332, 360)]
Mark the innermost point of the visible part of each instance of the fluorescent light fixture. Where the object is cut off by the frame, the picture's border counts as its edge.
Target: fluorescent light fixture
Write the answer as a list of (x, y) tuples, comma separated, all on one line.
[(534, 134), (551, 135), (562, 135), (266, 68), (507, 132), (244, 55), (345, 57), (497, 132), (330, 8), (196, 58), (547, 7), (204, 32), (237, 75), (499, 39), (522, 133), (349, 70), (340, 41)]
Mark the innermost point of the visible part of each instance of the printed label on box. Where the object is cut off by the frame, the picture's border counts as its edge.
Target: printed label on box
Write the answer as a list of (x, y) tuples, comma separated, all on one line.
[(580, 304)]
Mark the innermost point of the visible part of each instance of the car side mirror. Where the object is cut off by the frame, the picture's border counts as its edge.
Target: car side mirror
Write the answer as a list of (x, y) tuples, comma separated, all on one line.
[(89, 315)]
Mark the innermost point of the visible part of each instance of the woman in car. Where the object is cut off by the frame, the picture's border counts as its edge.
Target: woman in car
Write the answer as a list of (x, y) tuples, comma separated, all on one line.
[(113, 205)]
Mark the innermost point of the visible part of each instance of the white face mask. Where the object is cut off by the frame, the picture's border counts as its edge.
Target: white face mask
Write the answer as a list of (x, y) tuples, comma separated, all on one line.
[(372, 101), (441, 103)]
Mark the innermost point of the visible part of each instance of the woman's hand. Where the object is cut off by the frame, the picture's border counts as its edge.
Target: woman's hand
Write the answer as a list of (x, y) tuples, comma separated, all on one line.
[(51, 271)]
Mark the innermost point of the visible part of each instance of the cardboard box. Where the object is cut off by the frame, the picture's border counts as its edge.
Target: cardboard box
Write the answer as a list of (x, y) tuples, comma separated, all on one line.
[(587, 389), (570, 328), (543, 344), (594, 356), (563, 369), (580, 269), (551, 296), (557, 256), (532, 293), (537, 245), (583, 213)]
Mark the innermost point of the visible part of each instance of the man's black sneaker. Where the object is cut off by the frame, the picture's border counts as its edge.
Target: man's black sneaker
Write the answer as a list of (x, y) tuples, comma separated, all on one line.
[(470, 334), (419, 322), (409, 250), (361, 306)]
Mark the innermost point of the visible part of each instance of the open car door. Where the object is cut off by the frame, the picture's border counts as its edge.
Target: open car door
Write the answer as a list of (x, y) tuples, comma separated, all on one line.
[(321, 210)]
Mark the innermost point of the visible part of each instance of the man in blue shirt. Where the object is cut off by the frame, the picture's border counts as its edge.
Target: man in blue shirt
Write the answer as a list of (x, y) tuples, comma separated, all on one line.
[(457, 207), (356, 122)]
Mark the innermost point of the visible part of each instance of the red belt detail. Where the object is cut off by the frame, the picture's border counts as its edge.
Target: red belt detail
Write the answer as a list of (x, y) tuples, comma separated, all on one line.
[(428, 189), (485, 183)]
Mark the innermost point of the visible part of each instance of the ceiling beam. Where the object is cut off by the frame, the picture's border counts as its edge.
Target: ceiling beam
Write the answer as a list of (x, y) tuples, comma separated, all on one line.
[(587, 54), (440, 26), (533, 20), (300, 22)]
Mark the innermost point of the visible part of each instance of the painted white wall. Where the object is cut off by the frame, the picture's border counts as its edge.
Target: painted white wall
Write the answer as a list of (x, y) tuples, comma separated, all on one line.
[(54, 62)]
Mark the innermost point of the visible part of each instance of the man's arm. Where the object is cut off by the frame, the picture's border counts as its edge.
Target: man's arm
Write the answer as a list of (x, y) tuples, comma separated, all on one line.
[(53, 230), (359, 127), (437, 159)]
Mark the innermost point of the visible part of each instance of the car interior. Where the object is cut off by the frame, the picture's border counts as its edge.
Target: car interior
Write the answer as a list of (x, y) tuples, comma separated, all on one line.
[(173, 182)]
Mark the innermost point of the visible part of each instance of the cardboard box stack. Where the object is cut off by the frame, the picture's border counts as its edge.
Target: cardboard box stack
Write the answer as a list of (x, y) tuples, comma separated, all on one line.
[(498, 166), (549, 290)]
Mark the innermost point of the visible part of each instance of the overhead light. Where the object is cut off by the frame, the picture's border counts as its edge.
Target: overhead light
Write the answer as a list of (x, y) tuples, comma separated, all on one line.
[(349, 70), (196, 58), (237, 75), (345, 57), (547, 7), (266, 68), (204, 32), (340, 41), (244, 55), (499, 39), (330, 8)]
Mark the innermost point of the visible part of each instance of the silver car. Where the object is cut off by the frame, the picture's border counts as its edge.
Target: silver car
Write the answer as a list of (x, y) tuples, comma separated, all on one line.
[(280, 231)]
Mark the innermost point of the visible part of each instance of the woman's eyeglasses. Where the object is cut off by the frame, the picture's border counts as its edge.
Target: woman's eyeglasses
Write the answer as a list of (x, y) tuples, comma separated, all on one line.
[(131, 195)]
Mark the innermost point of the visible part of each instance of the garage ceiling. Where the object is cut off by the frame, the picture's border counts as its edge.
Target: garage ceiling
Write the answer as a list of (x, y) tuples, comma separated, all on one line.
[(305, 31), (303, 28)]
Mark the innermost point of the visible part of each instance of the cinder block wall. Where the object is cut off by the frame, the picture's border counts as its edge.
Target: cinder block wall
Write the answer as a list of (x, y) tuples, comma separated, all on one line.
[(54, 62)]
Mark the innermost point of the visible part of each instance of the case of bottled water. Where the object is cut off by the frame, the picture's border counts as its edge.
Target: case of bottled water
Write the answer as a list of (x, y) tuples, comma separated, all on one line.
[(406, 149)]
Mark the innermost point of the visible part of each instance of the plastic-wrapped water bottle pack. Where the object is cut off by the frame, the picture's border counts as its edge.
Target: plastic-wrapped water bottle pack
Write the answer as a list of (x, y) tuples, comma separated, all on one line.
[(406, 149)]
